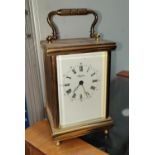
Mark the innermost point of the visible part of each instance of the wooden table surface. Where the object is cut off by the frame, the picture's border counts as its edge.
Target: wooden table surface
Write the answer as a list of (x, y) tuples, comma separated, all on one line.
[(39, 137)]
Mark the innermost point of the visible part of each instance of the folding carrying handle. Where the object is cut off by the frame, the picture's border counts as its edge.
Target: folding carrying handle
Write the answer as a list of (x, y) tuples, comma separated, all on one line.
[(70, 12)]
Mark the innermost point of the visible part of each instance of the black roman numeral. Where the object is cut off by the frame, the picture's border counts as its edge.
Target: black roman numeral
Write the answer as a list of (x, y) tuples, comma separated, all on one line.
[(93, 74), (88, 69), (68, 91), (94, 80), (68, 77), (81, 68), (74, 95), (81, 97), (92, 87), (87, 94), (74, 71), (67, 84)]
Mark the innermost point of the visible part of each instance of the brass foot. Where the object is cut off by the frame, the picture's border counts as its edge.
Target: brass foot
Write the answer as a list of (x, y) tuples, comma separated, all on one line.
[(106, 132), (57, 143)]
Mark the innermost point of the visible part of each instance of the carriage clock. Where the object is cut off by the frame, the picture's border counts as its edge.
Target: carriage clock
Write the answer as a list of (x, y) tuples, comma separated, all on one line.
[(77, 73)]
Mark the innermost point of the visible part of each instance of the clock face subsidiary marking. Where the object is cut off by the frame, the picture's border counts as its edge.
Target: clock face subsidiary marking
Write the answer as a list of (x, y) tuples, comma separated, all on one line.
[(81, 82)]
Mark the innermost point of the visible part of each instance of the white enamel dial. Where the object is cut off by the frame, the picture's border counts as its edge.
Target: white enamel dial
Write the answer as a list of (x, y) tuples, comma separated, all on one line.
[(82, 86), (80, 82)]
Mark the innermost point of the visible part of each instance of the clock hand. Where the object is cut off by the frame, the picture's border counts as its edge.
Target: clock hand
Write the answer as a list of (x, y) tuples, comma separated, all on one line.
[(87, 94), (76, 88)]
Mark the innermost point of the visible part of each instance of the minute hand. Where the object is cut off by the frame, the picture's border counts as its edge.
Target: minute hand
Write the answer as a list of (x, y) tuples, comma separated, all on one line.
[(87, 94)]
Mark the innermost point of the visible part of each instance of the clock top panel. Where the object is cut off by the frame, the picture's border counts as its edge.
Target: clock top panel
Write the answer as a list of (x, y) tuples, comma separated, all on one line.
[(73, 45)]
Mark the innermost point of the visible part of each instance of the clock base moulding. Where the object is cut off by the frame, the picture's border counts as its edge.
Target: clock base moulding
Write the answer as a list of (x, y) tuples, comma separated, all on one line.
[(64, 133)]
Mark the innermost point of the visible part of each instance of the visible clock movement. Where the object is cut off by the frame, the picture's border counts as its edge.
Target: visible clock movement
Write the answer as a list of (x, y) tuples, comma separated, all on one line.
[(77, 73)]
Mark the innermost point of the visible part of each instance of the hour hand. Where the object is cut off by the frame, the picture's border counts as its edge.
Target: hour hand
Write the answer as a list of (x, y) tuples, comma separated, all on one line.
[(76, 89)]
